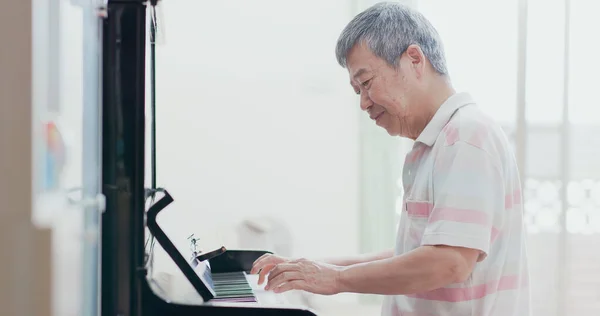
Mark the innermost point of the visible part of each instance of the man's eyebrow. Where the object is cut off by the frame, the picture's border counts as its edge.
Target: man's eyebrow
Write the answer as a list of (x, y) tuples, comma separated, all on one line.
[(359, 72), (354, 87)]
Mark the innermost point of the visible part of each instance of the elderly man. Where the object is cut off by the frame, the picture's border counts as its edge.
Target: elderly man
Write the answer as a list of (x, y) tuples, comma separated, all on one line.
[(460, 248)]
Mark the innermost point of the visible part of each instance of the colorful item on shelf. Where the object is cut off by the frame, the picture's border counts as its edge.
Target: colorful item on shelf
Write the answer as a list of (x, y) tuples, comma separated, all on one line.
[(54, 156)]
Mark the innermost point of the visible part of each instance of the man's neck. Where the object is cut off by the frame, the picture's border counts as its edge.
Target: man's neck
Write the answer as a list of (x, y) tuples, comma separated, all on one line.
[(438, 92)]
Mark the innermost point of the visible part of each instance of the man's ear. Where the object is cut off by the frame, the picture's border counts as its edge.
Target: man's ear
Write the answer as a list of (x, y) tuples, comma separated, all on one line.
[(415, 54), (417, 60)]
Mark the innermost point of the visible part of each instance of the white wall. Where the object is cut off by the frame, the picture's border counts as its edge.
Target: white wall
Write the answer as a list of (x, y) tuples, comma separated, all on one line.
[(255, 117)]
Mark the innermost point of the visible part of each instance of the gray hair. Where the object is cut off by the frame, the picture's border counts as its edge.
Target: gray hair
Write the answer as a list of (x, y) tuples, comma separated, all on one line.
[(388, 29)]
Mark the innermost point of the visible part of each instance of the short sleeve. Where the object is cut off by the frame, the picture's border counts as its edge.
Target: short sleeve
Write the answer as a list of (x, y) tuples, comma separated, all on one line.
[(468, 198)]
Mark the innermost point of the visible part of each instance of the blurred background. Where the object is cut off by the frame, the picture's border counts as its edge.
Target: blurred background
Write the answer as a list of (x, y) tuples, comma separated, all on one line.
[(255, 118), (262, 144)]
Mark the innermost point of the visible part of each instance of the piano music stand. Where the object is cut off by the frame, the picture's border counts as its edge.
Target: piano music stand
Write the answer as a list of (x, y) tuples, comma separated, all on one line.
[(199, 283)]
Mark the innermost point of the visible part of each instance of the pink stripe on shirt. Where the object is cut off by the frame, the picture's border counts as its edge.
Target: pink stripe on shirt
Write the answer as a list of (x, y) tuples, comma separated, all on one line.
[(419, 209), (495, 233), (425, 209), (479, 137), (513, 199), (451, 134), (464, 216), (416, 154), (459, 215)]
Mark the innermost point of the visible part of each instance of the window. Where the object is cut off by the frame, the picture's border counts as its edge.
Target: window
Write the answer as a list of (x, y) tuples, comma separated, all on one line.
[(481, 41)]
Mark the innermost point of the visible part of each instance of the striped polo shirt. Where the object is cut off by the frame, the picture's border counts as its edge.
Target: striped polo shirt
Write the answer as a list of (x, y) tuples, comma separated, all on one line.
[(462, 188)]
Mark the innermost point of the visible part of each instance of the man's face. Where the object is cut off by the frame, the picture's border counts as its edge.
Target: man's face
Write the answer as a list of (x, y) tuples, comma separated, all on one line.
[(387, 94)]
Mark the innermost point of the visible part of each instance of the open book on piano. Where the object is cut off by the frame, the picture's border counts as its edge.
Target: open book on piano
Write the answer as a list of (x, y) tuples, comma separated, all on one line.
[(220, 285)]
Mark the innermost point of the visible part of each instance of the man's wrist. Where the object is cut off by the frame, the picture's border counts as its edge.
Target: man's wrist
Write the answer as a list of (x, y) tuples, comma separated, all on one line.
[(342, 279)]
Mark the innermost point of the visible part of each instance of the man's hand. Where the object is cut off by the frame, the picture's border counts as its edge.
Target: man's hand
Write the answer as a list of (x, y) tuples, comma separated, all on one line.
[(306, 275), (265, 263)]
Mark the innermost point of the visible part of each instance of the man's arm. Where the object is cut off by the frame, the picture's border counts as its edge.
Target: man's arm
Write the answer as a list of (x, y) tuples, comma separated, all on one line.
[(267, 262), (467, 214), (423, 269), (469, 203), (347, 261)]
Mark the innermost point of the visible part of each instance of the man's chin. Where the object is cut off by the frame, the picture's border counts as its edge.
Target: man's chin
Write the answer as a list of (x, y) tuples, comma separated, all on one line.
[(395, 133), (392, 132)]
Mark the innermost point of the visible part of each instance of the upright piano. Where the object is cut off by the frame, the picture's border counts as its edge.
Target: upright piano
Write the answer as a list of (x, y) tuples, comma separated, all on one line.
[(127, 289)]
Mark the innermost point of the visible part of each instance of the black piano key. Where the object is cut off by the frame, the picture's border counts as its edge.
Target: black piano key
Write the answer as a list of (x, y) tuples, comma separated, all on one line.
[(234, 296), (224, 290), (240, 285), (233, 289), (228, 277), (236, 299), (234, 292), (230, 283), (221, 293)]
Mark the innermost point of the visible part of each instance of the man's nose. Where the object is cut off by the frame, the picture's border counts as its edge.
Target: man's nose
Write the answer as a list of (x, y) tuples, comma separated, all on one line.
[(365, 102)]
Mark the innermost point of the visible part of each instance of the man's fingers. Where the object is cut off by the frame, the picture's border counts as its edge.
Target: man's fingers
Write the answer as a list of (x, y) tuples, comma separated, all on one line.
[(256, 266), (283, 267), (263, 272), (262, 261), (292, 285), (264, 256), (282, 278)]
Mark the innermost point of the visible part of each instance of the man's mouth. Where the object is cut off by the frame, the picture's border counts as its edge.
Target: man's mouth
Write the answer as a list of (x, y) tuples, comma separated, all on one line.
[(375, 117)]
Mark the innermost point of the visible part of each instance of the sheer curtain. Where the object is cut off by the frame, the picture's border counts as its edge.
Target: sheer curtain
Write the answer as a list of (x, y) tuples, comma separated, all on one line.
[(531, 65)]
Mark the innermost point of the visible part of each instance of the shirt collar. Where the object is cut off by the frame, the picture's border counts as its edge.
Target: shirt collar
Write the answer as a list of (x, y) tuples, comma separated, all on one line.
[(442, 116)]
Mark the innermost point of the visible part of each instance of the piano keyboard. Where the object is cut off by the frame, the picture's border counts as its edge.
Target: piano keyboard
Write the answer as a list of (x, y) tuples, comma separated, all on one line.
[(242, 287), (232, 287)]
